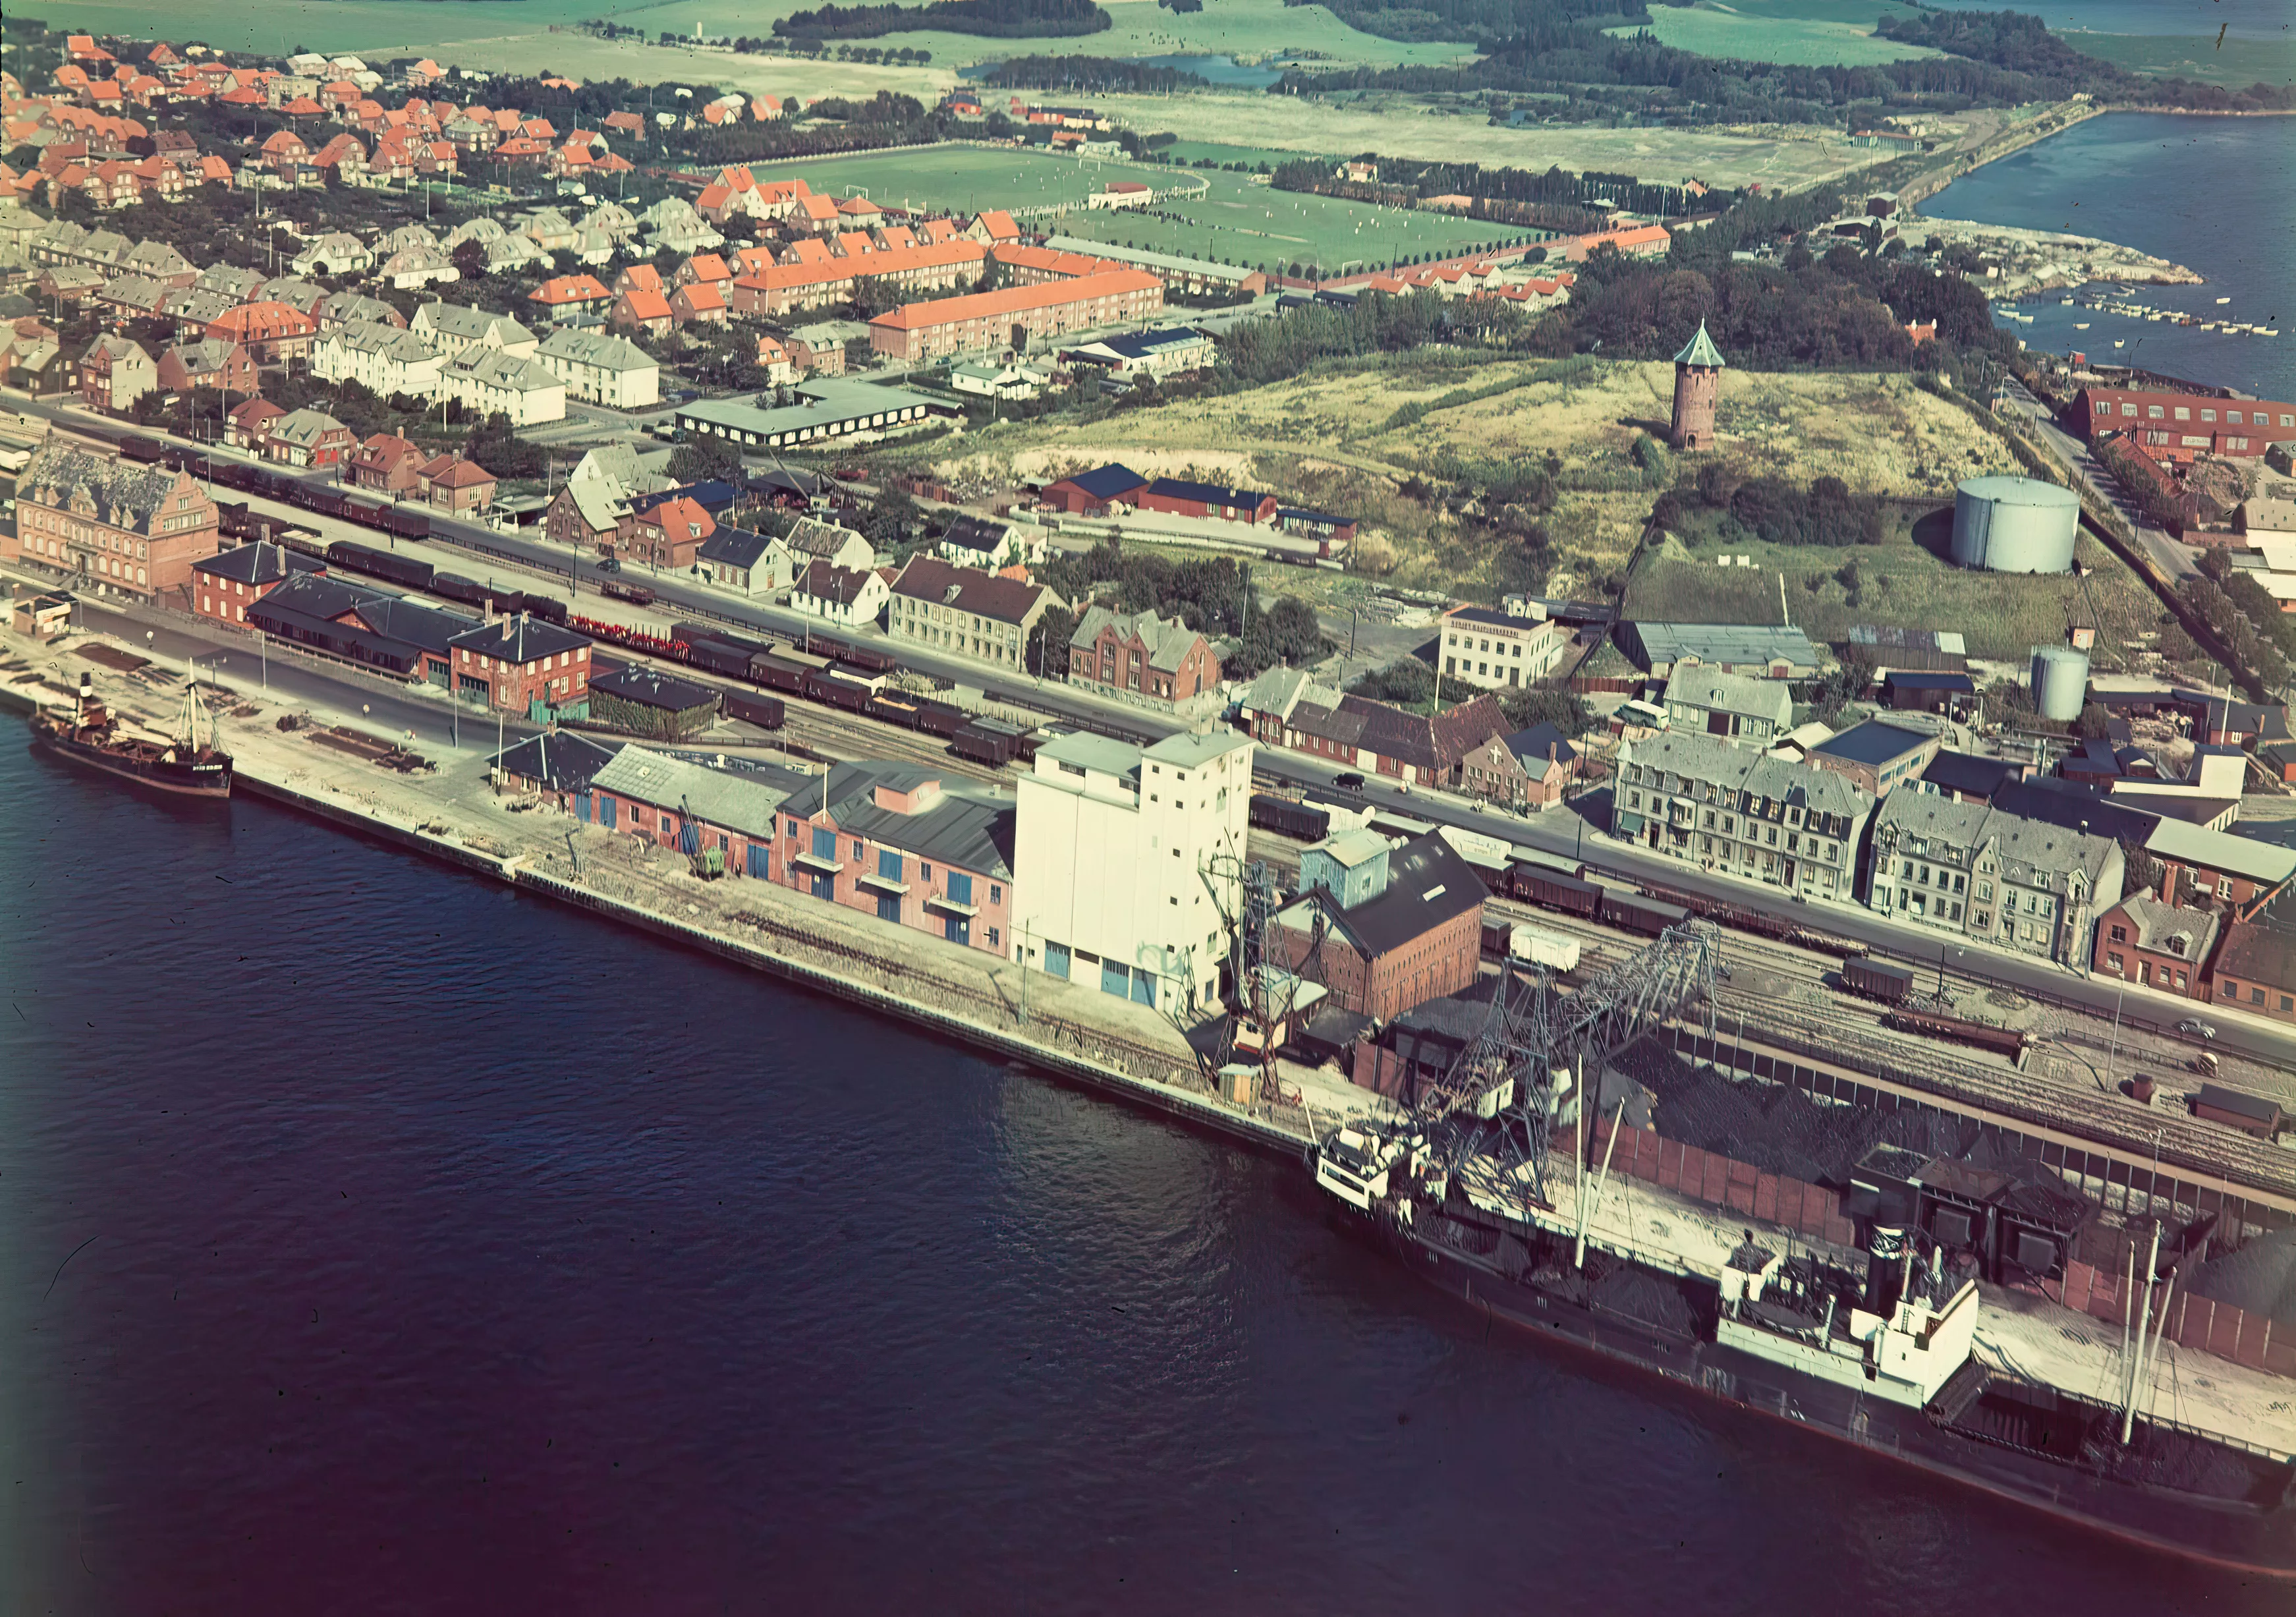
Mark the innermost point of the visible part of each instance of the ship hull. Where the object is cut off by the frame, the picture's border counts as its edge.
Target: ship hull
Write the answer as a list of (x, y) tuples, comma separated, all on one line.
[(2232, 1534), (207, 777)]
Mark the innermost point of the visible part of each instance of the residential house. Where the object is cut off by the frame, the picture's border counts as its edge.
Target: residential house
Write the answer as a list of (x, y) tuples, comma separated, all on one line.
[(1528, 770), (963, 610), (1706, 802), (452, 329), (1986, 874), (665, 532), (1286, 708), (855, 597), (2158, 945), (602, 369), (816, 538), (701, 303), (1750, 711), (336, 253), (491, 381), (565, 298), (249, 424), (114, 374), (309, 437), (1128, 863), (385, 464), (587, 514), (209, 363), (1145, 658), (271, 331), (381, 358), (972, 541), (639, 310), (1514, 646), (750, 563), (450, 483)]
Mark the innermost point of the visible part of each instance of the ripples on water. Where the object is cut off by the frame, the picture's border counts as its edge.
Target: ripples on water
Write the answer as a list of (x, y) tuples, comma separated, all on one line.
[(449, 1252)]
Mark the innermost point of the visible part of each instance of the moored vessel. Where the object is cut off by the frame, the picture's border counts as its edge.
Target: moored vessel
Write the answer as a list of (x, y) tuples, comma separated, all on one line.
[(89, 734)]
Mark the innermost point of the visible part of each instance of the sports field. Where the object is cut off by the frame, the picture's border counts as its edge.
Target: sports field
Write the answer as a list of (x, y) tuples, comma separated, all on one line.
[(1232, 219), (1793, 33)]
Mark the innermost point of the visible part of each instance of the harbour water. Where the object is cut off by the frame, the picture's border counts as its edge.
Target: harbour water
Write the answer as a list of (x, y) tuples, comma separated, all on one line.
[(374, 1241), (2210, 194)]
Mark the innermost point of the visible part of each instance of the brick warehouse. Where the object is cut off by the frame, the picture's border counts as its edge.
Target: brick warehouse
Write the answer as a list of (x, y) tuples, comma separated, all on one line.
[(983, 321), (2179, 426), (1399, 926), (126, 530)]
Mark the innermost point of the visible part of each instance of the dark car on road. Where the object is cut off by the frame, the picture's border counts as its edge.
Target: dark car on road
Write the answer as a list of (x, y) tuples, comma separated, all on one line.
[(1350, 782)]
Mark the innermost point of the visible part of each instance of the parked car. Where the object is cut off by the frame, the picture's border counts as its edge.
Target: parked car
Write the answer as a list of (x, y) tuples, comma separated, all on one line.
[(2197, 1029), (609, 565), (1350, 782)]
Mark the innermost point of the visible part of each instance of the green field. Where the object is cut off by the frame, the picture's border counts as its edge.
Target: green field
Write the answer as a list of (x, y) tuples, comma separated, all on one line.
[(1234, 220), (1900, 582), (1794, 33), (2237, 64)]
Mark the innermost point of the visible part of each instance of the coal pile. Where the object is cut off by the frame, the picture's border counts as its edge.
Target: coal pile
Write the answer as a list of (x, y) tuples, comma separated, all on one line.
[(1628, 1293), (1780, 1130), (2259, 1278)]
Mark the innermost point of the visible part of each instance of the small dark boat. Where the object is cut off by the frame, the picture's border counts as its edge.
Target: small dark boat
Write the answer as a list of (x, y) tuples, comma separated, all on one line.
[(89, 735)]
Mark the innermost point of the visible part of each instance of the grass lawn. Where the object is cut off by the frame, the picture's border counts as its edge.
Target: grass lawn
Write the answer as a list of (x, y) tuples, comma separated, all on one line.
[(1233, 220), (1905, 581), (1794, 33)]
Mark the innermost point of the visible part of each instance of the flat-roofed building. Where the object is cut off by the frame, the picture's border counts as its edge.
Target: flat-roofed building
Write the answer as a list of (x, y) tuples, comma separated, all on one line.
[(826, 407), (1769, 651), (1878, 757), (1511, 646), (1125, 863)]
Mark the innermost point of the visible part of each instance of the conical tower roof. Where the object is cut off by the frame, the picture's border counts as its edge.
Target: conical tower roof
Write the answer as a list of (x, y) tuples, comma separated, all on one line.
[(1700, 351)]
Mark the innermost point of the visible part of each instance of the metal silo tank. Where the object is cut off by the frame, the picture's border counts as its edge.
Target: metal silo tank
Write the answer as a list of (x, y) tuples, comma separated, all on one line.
[(2015, 524), (2060, 682)]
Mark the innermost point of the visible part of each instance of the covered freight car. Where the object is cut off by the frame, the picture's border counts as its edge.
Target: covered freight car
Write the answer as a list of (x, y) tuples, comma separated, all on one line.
[(985, 743), (754, 708), (731, 661), (775, 674), (833, 690), (1288, 817), (1637, 914), (405, 571)]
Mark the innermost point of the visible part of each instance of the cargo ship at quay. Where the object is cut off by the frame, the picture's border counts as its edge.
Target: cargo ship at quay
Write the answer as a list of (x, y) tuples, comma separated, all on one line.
[(1871, 1347), (87, 733)]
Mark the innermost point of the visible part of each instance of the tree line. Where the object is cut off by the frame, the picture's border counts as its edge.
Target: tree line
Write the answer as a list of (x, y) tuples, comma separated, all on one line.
[(1089, 74), (995, 19)]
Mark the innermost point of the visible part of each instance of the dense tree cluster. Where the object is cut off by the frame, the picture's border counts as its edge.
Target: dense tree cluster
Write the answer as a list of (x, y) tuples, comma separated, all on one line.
[(2158, 497), (1090, 73), (1571, 197), (1212, 595), (1824, 513), (2233, 606), (996, 19)]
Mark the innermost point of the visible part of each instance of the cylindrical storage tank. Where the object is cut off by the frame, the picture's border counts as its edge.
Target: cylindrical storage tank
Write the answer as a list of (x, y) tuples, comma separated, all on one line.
[(2015, 524), (2060, 682)]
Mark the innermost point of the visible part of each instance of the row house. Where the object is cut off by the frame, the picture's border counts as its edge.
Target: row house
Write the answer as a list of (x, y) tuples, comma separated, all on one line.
[(1707, 802), (1989, 875), (985, 615), (602, 369), (454, 328), (563, 298), (980, 321), (189, 311), (853, 597), (492, 381), (271, 333), (121, 527), (1142, 657), (2182, 426), (2155, 944), (776, 289), (355, 308), (128, 296), (381, 358), (897, 841), (1286, 708)]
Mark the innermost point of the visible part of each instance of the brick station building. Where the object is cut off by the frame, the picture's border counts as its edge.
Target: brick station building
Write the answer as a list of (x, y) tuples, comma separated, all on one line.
[(124, 528)]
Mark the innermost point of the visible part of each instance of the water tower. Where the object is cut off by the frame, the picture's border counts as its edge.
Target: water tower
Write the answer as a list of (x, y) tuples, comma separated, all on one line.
[(1697, 388)]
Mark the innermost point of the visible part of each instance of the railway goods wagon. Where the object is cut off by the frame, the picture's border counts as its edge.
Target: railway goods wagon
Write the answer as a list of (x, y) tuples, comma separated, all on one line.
[(406, 524), (892, 707), (1564, 889), (2001, 1041), (823, 646), (1297, 820), (1887, 983), (637, 595), (984, 745), (1498, 937), (751, 707), (1536, 945), (323, 501), (366, 513), (695, 632), (942, 719), (143, 451), (833, 692), (731, 661), (868, 660), (1639, 914), (454, 587), (405, 571), (544, 607), (776, 674)]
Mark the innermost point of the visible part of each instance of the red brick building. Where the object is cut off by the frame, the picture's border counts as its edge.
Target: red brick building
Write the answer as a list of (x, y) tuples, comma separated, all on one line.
[(2182, 426), (978, 322), (666, 533), (1141, 655), (1176, 497), (451, 483), (122, 529), (1093, 493), (892, 840), (225, 585), (1285, 708), (385, 464), (521, 664), (271, 333), (2162, 946), (212, 362), (2255, 970), (1416, 935)]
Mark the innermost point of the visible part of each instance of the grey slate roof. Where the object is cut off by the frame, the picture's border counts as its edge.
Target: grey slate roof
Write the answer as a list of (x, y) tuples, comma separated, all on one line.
[(594, 348), (1428, 884), (1875, 741), (722, 797), (969, 830), (735, 548), (1168, 639), (564, 761), (519, 639), (126, 495)]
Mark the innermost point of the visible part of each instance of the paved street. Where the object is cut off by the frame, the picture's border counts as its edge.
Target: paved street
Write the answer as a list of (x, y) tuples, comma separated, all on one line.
[(2178, 559)]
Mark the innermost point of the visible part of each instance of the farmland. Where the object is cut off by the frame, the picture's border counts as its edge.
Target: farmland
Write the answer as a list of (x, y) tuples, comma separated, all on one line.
[(1332, 439), (1232, 219), (1794, 33)]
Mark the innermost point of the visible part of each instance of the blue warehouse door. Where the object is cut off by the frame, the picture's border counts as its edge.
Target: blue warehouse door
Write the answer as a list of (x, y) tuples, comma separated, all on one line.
[(582, 806), (606, 812), (956, 929), (824, 884), (758, 857), (889, 907)]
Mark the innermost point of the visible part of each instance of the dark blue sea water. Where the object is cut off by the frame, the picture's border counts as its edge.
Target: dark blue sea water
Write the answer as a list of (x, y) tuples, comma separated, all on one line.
[(2242, 19), (2212, 194), (373, 1241)]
